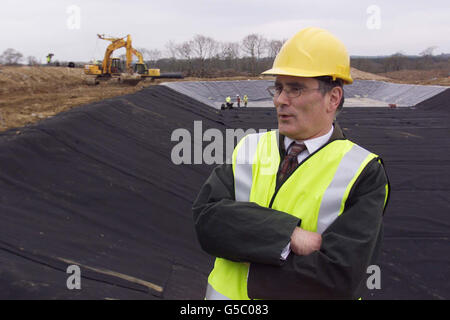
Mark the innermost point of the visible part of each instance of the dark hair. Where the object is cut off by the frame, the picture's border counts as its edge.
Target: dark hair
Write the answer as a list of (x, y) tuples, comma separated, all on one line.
[(326, 83)]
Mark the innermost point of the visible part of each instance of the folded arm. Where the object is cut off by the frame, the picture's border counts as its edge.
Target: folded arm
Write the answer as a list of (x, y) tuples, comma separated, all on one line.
[(235, 230), (349, 245)]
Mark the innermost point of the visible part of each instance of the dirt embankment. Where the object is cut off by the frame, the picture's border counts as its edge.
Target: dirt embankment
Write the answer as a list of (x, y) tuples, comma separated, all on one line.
[(28, 94), (361, 75), (439, 77)]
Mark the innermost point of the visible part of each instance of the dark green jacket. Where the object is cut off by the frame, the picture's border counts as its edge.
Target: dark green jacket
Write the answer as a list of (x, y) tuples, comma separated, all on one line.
[(247, 232)]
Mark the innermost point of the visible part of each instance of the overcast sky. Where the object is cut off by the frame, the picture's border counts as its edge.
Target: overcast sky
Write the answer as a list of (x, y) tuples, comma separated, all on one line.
[(366, 27)]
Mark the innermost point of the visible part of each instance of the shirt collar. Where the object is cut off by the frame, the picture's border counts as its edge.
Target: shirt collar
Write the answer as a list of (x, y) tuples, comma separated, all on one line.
[(311, 144)]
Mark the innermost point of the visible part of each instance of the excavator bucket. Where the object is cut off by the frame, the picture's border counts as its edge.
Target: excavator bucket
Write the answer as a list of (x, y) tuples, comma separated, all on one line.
[(91, 81), (130, 79)]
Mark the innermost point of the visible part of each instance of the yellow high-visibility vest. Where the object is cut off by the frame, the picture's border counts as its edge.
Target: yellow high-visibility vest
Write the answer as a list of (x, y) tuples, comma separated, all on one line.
[(315, 192)]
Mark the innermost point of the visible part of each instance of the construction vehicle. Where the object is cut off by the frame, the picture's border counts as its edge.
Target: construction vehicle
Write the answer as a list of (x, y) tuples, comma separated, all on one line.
[(113, 67)]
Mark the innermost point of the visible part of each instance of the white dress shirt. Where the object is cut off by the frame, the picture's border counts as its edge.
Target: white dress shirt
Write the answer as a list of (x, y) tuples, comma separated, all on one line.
[(311, 146)]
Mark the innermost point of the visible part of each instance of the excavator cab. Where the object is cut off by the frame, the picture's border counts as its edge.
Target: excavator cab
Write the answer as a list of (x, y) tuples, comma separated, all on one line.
[(140, 68), (116, 66), (144, 71)]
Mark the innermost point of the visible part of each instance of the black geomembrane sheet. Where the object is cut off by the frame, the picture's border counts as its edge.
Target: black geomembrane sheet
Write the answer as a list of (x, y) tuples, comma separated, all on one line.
[(96, 187)]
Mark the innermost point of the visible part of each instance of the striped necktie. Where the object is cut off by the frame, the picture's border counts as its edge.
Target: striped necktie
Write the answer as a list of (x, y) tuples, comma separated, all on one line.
[(290, 161)]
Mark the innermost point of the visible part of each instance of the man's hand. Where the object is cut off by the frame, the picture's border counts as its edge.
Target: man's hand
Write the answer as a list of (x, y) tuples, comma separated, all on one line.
[(305, 242)]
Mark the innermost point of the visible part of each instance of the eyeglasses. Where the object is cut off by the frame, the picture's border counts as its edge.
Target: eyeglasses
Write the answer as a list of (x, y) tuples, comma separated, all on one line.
[(291, 92)]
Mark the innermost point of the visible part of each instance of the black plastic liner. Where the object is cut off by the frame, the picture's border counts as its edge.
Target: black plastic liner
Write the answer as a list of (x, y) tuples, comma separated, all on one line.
[(96, 187)]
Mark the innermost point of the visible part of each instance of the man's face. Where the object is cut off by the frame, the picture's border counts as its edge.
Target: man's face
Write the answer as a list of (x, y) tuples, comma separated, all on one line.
[(306, 116)]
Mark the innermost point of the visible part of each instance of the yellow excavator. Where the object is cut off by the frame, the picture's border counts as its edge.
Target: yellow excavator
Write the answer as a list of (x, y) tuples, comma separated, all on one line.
[(112, 67)]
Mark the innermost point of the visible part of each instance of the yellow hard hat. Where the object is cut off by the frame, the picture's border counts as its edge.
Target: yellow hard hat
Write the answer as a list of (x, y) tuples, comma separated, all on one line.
[(313, 52)]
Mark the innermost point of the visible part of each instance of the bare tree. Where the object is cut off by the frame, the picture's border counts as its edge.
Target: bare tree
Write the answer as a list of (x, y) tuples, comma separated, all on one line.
[(255, 45), (249, 45), (150, 55), (154, 55), (274, 46), (204, 47), (229, 50), (184, 50), (428, 51), (262, 46), (11, 56), (32, 61), (171, 49)]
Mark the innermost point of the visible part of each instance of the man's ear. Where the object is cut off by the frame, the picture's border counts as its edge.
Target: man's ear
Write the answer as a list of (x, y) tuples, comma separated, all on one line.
[(335, 97)]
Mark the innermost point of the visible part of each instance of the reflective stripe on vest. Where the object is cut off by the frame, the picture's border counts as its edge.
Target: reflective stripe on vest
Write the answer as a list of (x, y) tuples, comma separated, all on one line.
[(213, 294), (332, 198), (244, 159), (315, 192)]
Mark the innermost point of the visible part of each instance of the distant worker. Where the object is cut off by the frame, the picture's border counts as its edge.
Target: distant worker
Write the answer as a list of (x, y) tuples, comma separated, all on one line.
[(49, 57), (245, 100), (228, 102), (238, 101)]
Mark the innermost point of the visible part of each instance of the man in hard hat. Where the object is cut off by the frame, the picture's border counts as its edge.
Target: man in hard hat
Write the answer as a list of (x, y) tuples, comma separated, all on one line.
[(228, 102), (245, 100), (238, 101), (298, 213)]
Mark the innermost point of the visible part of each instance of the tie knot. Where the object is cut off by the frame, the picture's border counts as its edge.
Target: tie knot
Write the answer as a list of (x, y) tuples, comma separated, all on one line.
[(296, 148)]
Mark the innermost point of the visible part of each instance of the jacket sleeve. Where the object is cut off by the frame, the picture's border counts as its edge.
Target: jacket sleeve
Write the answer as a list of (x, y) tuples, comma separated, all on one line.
[(236, 230), (349, 245)]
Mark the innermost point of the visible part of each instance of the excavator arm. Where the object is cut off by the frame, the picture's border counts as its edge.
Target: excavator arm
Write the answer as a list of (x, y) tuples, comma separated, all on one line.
[(116, 43), (140, 68), (138, 55)]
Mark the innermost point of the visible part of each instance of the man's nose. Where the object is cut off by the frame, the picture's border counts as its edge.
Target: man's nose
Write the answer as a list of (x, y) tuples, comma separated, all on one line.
[(281, 99)]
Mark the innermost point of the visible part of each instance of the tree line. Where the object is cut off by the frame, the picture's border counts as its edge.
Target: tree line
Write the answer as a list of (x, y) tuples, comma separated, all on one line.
[(204, 57), (399, 61)]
